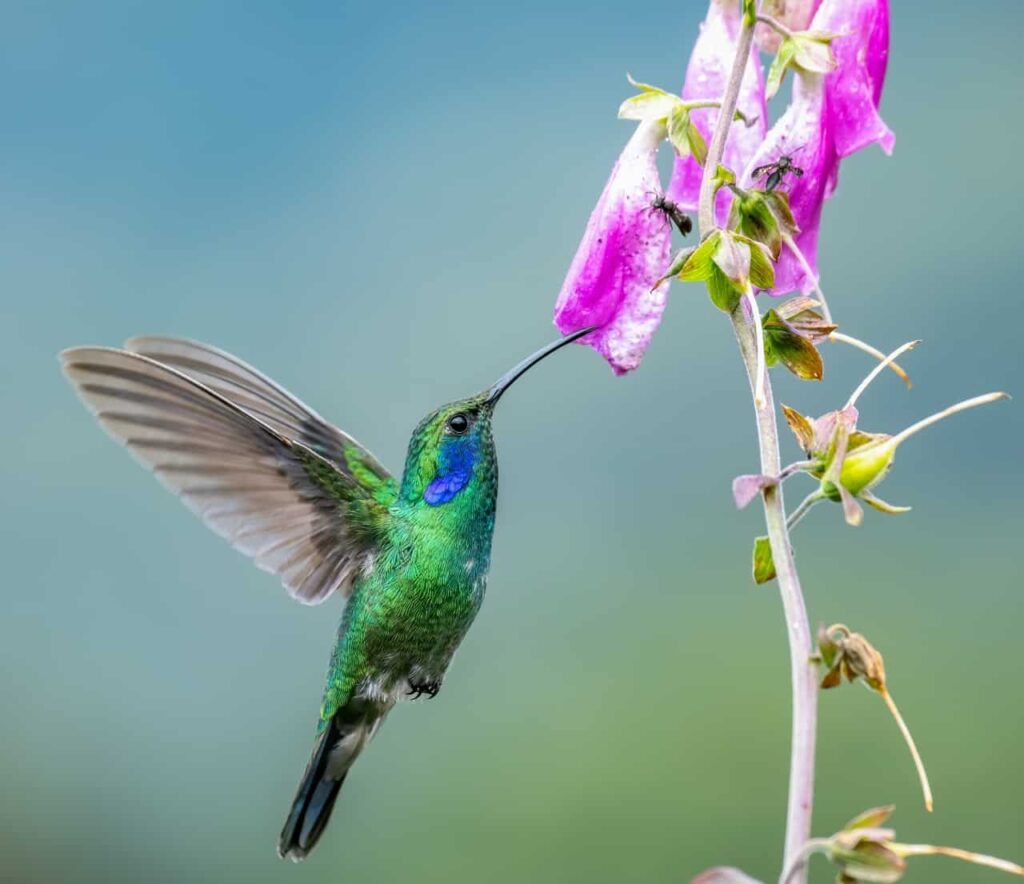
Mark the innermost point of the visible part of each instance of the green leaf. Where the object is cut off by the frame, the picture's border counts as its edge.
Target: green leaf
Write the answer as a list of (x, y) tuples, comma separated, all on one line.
[(651, 104), (733, 258), (783, 59), (723, 176), (762, 269), (754, 218), (812, 53), (749, 13), (644, 87), (648, 106), (698, 146), (883, 506), (740, 117), (764, 565), (783, 343), (778, 202), (678, 124), (676, 267), (699, 264), (799, 312), (723, 292), (870, 819), (731, 275)]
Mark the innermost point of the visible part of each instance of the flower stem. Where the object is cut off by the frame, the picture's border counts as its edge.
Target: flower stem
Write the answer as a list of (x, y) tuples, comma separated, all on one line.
[(706, 214), (799, 862), (946, 412), (774, 24), (839, 337), (798, 466), (922, 774), (803, 509), (979, 859), (761, 369), (805, 688), (877, 370)]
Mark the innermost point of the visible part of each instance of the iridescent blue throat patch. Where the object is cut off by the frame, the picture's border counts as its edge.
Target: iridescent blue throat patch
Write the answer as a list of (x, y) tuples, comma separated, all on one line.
[(455, 471)]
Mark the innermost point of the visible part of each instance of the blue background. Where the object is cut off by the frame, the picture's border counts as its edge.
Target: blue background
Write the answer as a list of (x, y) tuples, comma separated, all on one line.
[(376, 204)]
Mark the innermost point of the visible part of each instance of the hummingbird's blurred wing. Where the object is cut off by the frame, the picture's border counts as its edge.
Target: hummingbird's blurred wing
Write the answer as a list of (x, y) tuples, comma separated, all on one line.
[(295, 511), (254, 392)]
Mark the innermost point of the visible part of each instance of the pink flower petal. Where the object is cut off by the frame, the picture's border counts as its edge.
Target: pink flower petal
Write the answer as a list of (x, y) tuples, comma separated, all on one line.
[(829, 117), (624, 251), (855, 88), (804, 133), (706, 77)]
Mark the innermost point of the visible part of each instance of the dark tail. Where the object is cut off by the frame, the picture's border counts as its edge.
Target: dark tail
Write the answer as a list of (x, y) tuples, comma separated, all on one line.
[(334, 752)]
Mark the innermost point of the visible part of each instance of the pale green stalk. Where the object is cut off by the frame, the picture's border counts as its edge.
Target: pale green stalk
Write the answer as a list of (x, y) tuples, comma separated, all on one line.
[(805, 688)]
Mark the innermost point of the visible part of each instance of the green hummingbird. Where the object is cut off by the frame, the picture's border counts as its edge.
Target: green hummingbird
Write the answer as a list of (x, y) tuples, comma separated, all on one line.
[(307, 502)]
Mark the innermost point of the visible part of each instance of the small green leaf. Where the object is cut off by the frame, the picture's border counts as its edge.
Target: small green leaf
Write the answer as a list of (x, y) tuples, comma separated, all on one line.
[(764, 565), (883, 506), (723, 292), (799, 312), (812, 53), (870, 819), (644, 87), (781, 62), (749, 13), (648, 106), (678, 124), (753, 216), (733, 258), (762, 269), (651, 104), (783, 343), (723, 176), (730, 277), (778, 202), (699, 264), (698, 146), (740, 117), (676, 267)]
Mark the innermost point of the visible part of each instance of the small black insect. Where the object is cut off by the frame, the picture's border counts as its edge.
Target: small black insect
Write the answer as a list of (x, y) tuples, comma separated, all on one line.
[(672, 211), (775, 171)]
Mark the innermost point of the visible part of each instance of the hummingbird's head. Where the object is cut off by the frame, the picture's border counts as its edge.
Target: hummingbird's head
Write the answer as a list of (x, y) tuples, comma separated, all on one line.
[(451, 454), (451, 450)]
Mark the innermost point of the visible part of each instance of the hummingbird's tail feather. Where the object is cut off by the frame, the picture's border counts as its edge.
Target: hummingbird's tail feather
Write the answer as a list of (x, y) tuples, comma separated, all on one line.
[(334, 752)]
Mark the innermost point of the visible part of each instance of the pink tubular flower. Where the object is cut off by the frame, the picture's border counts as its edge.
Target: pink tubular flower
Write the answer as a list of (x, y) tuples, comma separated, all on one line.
[(854, 90), (830, 117), (624, 251), (706, 76)]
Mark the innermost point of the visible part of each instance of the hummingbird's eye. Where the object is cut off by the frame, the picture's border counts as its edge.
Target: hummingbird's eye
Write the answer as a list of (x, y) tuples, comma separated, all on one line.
[(458, 423)]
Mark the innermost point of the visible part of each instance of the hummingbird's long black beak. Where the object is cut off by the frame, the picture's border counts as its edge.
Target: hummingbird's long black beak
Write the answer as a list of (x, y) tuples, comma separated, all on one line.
[(510, 377)]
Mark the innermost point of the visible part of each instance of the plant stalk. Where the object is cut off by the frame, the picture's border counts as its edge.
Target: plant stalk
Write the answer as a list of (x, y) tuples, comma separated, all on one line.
[(798, 630), (805, 688)]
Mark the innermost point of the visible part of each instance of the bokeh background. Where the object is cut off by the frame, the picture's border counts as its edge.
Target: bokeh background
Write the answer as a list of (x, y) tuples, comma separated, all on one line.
[(376, 203)]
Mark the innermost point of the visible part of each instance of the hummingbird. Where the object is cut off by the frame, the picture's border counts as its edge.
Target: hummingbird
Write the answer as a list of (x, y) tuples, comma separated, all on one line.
[(310, 504)]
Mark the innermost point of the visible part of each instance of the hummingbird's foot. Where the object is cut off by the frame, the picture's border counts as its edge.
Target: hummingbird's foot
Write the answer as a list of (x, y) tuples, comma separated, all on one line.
[(419, 688)]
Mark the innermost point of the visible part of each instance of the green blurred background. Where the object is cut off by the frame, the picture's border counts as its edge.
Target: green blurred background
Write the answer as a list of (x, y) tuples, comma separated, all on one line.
[(376, 204)]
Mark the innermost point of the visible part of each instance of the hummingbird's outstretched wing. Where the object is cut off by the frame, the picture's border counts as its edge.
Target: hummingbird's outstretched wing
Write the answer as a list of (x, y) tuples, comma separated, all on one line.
[(254, 392), (314, 520)]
